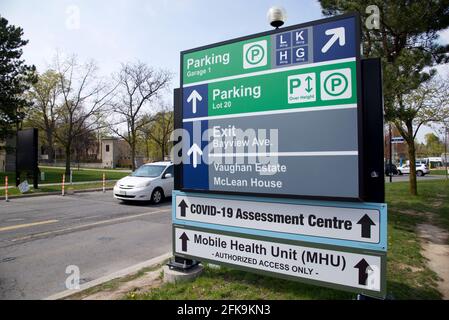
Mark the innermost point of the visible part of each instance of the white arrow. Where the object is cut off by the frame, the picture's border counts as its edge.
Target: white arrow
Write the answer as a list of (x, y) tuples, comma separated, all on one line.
[(194, 96), (196, 152), (337, 34)]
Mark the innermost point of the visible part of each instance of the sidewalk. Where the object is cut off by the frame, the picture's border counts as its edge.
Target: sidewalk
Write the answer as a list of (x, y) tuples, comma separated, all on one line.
[(60, 183)]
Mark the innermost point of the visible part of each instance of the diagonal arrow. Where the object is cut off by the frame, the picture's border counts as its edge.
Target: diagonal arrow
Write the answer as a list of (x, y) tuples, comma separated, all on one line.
[(184, 238), (196, 151), (337, 34), (183, 205), (308, 79), (366, 224), (363, 267), (194, 97)]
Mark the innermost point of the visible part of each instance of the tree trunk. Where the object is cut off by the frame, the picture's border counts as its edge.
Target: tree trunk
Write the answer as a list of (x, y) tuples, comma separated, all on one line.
[(67, 159), (50, 149), (147, 147), (133, 155), (412, 158)]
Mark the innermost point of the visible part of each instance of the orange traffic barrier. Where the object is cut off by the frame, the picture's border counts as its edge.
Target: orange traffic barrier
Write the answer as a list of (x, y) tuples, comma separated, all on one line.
[(6, 188)]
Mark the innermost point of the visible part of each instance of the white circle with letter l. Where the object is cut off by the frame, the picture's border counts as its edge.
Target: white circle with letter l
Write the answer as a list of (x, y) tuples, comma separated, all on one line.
[(255, 54), (336, 84)]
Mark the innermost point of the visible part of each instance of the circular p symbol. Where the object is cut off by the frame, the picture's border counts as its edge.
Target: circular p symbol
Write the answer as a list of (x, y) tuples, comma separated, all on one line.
[(255, 54), (335, 84)]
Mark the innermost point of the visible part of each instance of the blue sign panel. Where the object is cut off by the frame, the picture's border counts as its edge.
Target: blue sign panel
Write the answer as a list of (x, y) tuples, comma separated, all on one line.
[(334, 40), (300, 54), (195, 169), (300, 37), (283, 57), (292, 48), (195, 101)]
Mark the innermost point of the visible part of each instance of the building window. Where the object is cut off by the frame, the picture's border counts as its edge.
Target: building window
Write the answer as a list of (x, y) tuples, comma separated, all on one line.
[(107, 148)]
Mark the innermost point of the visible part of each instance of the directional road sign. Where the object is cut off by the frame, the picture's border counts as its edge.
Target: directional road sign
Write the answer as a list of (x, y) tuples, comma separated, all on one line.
[(362, 272), (358, 225), (272, 172), (397, 140), (275, 113)]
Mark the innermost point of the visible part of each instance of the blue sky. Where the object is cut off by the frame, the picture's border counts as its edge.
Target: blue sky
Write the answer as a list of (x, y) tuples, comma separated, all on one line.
[(115, 31), (155, 32)]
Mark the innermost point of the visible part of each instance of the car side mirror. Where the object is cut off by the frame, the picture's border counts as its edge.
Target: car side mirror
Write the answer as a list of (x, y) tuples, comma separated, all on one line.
[(168, 175)]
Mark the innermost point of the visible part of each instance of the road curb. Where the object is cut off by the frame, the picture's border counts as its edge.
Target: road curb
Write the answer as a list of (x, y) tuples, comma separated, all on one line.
[(52, 193), (118, 274)]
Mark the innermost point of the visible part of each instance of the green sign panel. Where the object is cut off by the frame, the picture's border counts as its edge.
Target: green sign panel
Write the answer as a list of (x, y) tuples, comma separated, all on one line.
[(227, 60), (327, 85)]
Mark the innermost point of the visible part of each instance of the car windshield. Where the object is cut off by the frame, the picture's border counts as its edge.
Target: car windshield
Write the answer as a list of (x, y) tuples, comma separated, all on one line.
[(148, 171)]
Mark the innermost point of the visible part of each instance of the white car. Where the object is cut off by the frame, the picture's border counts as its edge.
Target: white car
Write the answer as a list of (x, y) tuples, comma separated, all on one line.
[(150, 182), (421, 169)]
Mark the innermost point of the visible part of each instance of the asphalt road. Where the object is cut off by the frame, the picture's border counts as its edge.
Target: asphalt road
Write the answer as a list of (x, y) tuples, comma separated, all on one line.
[(41, 236), (405, 177)]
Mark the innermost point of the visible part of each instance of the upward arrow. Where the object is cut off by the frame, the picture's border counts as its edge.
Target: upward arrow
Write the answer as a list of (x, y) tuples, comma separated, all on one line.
[(183, 205), (363, 267), (337, 34), (184, 238), (366, 224), (196, 152), (193, 97), (308, 79)]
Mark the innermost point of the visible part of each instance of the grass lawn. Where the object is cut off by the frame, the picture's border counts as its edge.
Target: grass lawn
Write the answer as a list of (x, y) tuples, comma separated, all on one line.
[(438, 172), (93, 185), (408, 277), (54, 175)]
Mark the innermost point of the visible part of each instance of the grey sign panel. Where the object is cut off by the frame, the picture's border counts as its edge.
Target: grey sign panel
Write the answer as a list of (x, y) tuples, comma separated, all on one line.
[(294, 132), (355, 271), (331, 176)]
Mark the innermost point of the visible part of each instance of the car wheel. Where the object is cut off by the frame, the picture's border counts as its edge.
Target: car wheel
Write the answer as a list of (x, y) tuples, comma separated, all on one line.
[(419, 173), (157, 196), (399, 173)]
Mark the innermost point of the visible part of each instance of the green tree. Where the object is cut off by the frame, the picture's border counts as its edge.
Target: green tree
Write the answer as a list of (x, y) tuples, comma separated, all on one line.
[(406, 40), (434, 146), (84, 102), (138, 86), (45, 95), (156, 131), (15, 78)]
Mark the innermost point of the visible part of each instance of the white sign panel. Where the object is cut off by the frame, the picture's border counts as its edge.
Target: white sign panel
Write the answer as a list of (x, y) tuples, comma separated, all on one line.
[(24, 187), (321, 221), (355, 270)]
